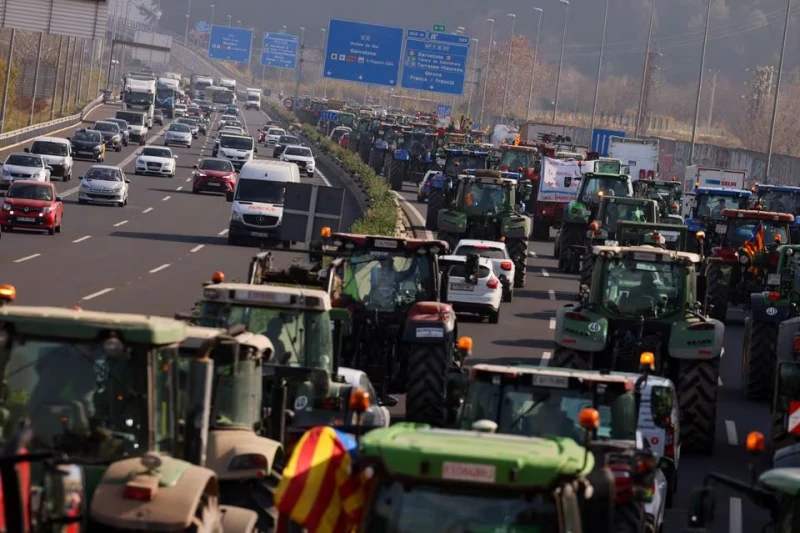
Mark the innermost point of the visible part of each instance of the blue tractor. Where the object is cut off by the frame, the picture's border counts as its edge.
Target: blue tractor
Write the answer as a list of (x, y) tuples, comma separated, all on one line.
[(780, 199), (443, 185), (706, 215), (411, 159)]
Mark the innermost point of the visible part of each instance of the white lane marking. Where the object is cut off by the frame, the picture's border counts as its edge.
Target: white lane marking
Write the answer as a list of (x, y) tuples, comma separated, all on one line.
[(552, 323), (532, 254), (69, 192), (118, 224), (735, 516), (166, 198), (188, 179), (223, 232), (730, 430), (321, 176), (96, 294), (545, 273), (414, 212), (160, 268), (179, 188), (197, 248), (545, 360), (27, 258), (719, 381), (84, 238), (147, 210), (552, 294)]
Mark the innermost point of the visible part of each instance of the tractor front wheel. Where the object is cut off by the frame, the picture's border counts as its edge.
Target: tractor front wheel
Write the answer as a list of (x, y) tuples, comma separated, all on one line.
[(426, 383), (569, 358), (716, 292), (435, 204), (396, 174), (629, 517), (698, 385), (518, 250), (376, 160), (758, 359), (568, 237)]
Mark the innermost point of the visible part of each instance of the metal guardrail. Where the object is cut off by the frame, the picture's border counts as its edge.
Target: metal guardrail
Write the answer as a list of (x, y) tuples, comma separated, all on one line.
[(37, 130)]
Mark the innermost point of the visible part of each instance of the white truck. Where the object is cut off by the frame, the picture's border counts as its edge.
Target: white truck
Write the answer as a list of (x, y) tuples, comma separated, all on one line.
[(641, 155), (253, 99), (709, 178), (139, 94), (228, 84)]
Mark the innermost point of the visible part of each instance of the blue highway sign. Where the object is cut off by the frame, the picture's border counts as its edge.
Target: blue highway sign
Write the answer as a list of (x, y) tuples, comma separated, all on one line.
[(600, 140), (435, 61), (365, 53), (202, 27), (444, 110), (230, 44), (280, 50)]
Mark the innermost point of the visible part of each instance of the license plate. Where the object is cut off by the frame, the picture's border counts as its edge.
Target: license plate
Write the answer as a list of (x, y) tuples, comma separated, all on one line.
[(26, 219), (214, 184), (263, 235), (722, 228), (462, 287)]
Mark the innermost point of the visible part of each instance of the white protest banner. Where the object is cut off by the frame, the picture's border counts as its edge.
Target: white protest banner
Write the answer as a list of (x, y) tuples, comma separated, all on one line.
[(559, 181)]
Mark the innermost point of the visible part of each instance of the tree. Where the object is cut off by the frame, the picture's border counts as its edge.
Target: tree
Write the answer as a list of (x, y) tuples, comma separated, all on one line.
[(150, 11)]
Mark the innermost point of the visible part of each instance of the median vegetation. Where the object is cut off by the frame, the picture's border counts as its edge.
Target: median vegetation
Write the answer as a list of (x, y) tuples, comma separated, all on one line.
[(381, 215)]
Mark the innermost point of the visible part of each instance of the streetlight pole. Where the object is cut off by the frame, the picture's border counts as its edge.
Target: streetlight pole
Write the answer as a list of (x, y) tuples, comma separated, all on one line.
[(777, 92), (486, 67), (639, 110), (599, 68), (508, 67), (533, 67), (300, 63), (186, 34), (475, 73), (561, 60), (322, 63), (229, 20), (713, 95), (700, 86)]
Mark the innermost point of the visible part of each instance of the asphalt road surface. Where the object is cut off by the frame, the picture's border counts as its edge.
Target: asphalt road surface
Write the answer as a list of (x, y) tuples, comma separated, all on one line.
[(525, 333)]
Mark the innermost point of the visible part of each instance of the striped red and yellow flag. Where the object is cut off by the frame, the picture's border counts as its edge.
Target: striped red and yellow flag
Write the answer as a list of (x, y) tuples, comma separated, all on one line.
[(319, 490), (755, 243)]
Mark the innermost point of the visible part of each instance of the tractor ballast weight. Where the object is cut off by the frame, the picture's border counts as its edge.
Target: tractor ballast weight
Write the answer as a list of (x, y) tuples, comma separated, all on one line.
[(443, 185), (619, 316), (710, 221)]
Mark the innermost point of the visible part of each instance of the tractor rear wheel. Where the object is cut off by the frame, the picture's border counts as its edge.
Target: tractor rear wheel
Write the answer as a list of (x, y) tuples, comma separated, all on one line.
[(426, 384), (587, 267), (698, 386), (376, 160), (569, 358), (396, 174), (518, 250), (435, 204), (629, 517), (716, 292), (541, 230), (568, 237), (758, 359)]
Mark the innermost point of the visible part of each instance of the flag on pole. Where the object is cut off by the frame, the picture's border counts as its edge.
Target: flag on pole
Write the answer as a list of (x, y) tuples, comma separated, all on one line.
[(319, 489), (755, 243)]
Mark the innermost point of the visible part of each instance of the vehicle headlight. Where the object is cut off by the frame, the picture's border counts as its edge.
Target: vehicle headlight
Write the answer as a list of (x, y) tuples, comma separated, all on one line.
[(6, 207), (98, 147), (6, 172), (47, 210), (237, 216)]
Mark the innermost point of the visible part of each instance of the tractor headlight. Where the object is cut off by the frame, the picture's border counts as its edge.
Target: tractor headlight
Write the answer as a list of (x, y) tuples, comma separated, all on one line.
[(743, 259)]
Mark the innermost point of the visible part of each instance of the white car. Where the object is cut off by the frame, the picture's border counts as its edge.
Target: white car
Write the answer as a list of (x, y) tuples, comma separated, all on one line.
[(193, 127), (497, 253), (478, 296), (178, 134), (224, 119), (23, 166), (104, 184), (302, 156), (57, 153), (180, 110), (273, 134), (159, 161)]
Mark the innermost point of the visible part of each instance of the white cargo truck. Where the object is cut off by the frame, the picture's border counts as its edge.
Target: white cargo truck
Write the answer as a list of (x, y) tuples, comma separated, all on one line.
[(229, 84), (709, 178), (253, 99), (139, 94), (641, 155)]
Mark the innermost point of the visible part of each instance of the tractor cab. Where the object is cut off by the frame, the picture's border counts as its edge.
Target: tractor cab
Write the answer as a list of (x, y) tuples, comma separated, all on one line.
[(514, 158), (785, 438), (781, 199), (668, 194), (668, 236), (706, 212), (442, 186), (613, 210)]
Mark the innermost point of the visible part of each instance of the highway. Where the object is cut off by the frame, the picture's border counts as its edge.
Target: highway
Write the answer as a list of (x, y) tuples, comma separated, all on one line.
[(525, 334)]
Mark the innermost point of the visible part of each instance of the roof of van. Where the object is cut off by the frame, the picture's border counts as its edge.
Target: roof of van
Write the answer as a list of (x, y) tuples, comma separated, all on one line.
[(262, 165), (52, 140)]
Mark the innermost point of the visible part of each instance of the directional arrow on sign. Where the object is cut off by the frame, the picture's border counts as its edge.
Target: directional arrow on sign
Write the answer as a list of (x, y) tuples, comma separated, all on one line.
[(431, 86), (391, 81), (329, 73), (361, 77)]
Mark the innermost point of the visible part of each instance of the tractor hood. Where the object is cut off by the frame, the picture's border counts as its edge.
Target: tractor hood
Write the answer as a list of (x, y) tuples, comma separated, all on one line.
[(229, 446)]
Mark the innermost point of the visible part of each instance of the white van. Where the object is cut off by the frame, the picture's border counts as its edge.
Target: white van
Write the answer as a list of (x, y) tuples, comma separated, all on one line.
[(137, 125), (57, 153), (257, 208), (239, 149)]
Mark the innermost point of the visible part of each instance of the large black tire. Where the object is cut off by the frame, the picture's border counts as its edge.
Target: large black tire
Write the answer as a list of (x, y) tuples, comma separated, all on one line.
[(426, 385), (395, 174), (569, 358), (587, 267), (256, 495), (629, 518), (758, 359), (697, 384), (363, 151), (376, 160), (568, 237), (435, 204), (716, 293), (540, 231), (518, 250)]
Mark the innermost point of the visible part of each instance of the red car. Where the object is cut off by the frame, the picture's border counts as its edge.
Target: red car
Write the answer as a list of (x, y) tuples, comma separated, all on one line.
[(32, 205), (214, 175)]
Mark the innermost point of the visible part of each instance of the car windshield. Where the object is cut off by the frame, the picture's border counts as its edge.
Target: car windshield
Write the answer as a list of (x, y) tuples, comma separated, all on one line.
[(49, 148), (227, 118), (465, 161), (137, 98), (298, 150), (232, 111), (188, 121), (87, 136), (137, 119), (230, 131), (157, 152), (711, 205), (106, 126), (616, 211), (276, 131), (300, 337), (643, 288), (288, 139), (237, 143), (179, 127), (260, 191), (103, 174), (404, 507), (182, 107), (78, 398), (216, 164), (513, 159), (481, 250), (21, 160), (383, 282), (741, 229), (608, 186), (484, 198), (535, 411), (30, 191), (121, 123)]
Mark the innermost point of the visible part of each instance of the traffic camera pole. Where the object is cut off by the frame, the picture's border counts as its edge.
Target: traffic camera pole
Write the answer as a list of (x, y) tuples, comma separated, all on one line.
[(299, 66), (36, 77), (777, 92)]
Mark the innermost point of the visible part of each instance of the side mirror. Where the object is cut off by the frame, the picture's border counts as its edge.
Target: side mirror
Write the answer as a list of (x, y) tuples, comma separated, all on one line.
[(138, 153), (48, 167), (59, 199), (80, 177), (702, 504), (175, 157), (127, 180), (27, 150), (255, 150), (65, 492), (388, 401), (195, 167)]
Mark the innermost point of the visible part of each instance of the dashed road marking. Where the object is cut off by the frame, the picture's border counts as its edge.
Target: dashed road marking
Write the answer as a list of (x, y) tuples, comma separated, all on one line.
[(147, 210), (84, 238), (197, 248), (179, 188), (545, 360), (160, 268), (719, 381), (730, 430), (223, 232), (96, 294), (188, 179), (26, 258), (118, 224), (532, 254), (735, 516), (552, 323), (166, 198), (545, 273), (552, 294)]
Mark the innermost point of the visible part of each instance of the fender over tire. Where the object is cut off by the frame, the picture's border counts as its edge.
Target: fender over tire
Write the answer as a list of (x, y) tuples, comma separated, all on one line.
[(569, 358)]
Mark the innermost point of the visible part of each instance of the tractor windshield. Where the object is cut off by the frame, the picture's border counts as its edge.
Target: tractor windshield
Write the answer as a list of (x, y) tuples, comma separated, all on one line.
[(386, 283), (536, 411), (597, 187), (780, 201), (514, 159), (404, 507), (81, 398), (300, 337), (643, 288), (465, 161), (616, 211), (741, 229), (482, 198), (711, 205)]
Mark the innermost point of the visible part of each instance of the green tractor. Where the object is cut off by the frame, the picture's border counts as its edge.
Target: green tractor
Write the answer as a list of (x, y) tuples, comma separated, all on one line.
[(669, 236), (442, 188), (668, 194), (645, 299), (489, 205), (581, 211), (785, 410), (603, 230)]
